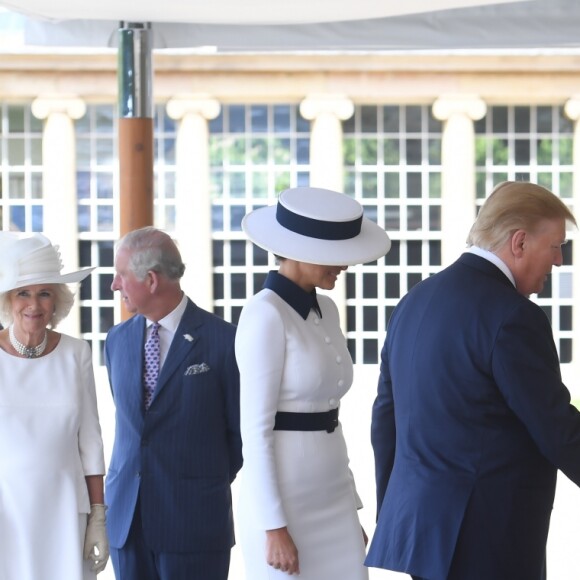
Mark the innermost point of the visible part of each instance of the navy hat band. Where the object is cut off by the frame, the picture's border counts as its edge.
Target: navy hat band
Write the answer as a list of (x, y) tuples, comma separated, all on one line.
[(320, 229)]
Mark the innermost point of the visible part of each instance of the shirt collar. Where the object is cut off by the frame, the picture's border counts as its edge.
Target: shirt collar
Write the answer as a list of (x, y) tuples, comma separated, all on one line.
[(172, 320), (494, 259), (292, 294)]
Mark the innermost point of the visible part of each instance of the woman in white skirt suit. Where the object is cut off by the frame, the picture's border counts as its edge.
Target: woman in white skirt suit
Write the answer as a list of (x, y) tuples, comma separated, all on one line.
[(298, 502), (52, 517)]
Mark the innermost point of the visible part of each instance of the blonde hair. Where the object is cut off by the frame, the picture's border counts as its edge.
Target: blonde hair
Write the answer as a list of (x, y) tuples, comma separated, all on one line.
[(63, 301), (512, 206)]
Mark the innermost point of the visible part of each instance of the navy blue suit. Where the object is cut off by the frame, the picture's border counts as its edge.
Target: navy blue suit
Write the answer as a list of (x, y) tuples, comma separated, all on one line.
[(177, 460), (469, 427)]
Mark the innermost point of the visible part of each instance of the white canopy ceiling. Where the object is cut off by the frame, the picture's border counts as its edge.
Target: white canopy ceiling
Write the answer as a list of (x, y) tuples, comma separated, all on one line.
[(232, 11), (303, 25)]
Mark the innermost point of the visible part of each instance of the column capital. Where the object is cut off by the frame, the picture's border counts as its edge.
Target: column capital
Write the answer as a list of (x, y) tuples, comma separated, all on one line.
[(196, 103), (449, 105), (572, 108), (314, 105), (46, 105)]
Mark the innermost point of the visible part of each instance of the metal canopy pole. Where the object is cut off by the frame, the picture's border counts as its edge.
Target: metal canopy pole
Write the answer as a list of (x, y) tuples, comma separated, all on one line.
[(135, 80)]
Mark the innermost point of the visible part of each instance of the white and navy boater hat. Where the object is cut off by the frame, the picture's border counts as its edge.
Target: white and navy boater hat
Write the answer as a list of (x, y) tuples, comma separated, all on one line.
[(317, 226)]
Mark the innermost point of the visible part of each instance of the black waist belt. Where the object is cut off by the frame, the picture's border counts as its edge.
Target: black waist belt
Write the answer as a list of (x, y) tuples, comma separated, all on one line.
[(327, 421)]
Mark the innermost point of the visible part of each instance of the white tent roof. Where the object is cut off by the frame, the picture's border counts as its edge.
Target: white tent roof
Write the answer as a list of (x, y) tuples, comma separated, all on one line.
[(232, 12), (274, 26)]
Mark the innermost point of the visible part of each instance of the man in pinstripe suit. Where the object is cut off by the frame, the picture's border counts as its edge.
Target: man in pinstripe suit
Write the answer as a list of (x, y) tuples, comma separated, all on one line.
[(168, 484)]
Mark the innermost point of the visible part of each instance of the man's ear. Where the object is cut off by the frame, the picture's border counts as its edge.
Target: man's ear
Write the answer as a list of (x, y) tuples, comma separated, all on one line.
[(518, 242), (152, 281)]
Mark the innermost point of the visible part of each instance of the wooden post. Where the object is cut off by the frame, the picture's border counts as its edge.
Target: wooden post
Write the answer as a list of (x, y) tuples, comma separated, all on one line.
[(135, 81)]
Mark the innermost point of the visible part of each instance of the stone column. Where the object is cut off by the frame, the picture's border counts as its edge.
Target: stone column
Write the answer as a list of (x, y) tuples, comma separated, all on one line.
[(59, 183), (326, 113), (193, 204), (326, 157), (572, 110), (458, 169)]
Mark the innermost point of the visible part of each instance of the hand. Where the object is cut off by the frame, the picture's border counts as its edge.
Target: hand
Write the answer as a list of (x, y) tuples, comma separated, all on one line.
[(96, 542), (281, 552)]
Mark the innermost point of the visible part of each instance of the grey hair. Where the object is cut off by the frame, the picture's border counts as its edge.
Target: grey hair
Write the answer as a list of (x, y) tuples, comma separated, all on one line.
[(63, 300), (152, 250)]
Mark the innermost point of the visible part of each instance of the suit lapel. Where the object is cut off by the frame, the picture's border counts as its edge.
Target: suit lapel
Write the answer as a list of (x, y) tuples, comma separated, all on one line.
[(181, 346), (133, 357)]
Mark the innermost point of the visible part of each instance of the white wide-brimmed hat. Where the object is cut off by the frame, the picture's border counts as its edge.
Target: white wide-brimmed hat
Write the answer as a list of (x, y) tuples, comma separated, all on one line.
[(28, 259), (317, 226)]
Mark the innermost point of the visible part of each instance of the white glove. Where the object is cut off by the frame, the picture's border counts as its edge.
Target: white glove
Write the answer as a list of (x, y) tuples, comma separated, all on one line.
[(96, 542)]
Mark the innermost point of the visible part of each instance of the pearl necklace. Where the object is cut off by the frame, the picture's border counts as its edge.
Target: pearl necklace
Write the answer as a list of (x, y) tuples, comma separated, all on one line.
[(27, 351)]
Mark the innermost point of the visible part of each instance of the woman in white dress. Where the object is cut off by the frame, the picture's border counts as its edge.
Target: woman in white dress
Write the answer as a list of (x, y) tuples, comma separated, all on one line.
[(52, 516), (298, 502)]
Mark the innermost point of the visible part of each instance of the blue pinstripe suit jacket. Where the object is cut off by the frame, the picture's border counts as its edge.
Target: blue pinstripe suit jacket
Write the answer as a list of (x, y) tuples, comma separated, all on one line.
[(180, 456)]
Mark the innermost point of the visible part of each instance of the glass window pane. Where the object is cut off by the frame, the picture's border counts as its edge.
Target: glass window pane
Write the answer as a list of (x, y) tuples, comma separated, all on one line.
[(281, 118), (237, 119), (414, 153), (370, 288), (413, 119), (237, 214), (15, 119), (259, 115), (392, 285), (522, 119), (35, 150), (414, 256), (370, 318), (392, 217), (15, 151), (17, 218), (369, 185), (544, 119), (566, 151), (36, 189), (414, 188), (282, 152), (393, 258), (500, 119), (16, 185), (104, 149), (391, 119), (105, 218), (238, 184), (522, 150), (368, 151), (238, 253), (391, 151), (37, 215), (392, 187), (368, 117), (238, 282), (414, 218), (84, 218)]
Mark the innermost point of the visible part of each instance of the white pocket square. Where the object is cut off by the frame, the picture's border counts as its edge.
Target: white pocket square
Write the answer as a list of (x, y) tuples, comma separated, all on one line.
[(197, 369)]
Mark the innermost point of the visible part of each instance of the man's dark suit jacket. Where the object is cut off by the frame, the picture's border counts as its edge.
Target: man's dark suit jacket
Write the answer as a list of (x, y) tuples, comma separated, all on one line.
[(470, 425), (181, 455)]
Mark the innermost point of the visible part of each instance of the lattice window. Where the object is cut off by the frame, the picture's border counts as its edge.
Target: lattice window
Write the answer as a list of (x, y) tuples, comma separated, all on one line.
[(256, 152), (392, 157), (21, 203)]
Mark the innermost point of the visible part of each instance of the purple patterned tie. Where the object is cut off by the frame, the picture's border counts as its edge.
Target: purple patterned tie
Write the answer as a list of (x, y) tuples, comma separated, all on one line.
[(152, 350)]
